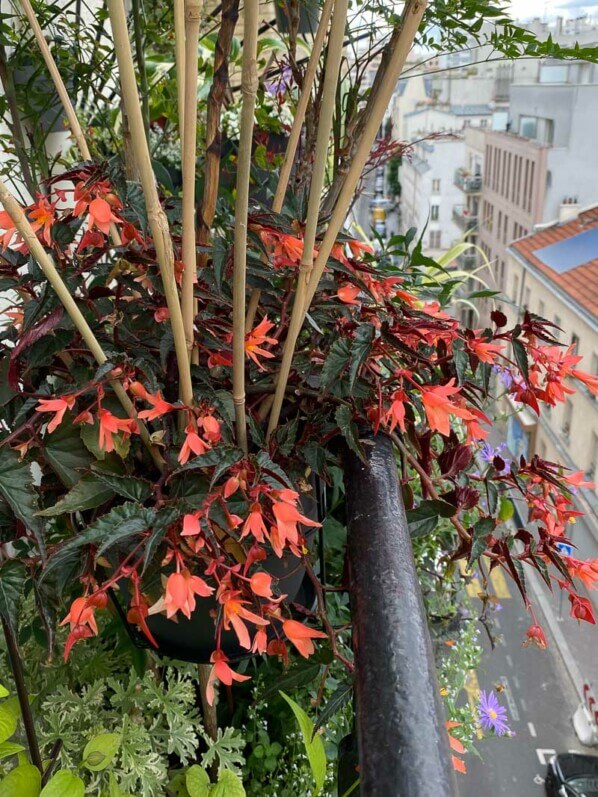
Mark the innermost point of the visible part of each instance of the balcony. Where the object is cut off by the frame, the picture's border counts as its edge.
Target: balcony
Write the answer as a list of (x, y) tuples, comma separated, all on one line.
[(464, 218), (469, 183), (467, 260)]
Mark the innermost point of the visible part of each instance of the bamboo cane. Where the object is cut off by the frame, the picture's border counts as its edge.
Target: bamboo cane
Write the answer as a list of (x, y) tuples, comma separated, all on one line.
[(179, 57), (333, 63), (410, 21), (63, 95), (249, 84), (192, 16), (294, 136), (46, 264), (155, 214)]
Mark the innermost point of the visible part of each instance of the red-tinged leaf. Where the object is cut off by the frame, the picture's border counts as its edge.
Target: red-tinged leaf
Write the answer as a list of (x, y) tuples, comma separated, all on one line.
[(516, 570), (37, 331)]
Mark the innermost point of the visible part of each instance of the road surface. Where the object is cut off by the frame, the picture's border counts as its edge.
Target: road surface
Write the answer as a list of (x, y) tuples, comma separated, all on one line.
[(540, 700)]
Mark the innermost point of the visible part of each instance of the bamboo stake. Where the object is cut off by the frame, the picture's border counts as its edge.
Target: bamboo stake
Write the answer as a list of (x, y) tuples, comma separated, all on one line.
[(192, 17), (71, 116), (51, 273), (410, 21), (294, 136), (155, 214), (249, 84), (179, 57), (333, 63)]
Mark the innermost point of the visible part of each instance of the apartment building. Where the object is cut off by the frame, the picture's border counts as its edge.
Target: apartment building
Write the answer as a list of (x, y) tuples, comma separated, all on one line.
[(553, 272), (429, 194)]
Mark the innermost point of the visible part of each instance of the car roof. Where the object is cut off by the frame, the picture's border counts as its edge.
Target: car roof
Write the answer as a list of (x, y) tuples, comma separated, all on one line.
[(572, 764)]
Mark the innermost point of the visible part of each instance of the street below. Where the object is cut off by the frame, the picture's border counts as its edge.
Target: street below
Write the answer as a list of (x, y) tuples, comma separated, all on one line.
[(540, 699)]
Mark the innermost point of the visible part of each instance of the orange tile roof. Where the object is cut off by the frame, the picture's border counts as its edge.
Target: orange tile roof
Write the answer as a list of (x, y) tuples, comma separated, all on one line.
[(581, 282)]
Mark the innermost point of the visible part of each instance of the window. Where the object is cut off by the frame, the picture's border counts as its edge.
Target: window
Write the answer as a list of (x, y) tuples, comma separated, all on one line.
[(528, 126), (502, 274), (505, 228), (541, 309), (435, 239), (436, 186), (526, 298), (484, 123), (515, 288), (575, 343), (435, 212), (542, 449), (567, 418), (557, 332)]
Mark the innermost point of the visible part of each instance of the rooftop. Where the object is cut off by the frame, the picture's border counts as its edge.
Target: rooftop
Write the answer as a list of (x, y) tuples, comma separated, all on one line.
[(567, 254)]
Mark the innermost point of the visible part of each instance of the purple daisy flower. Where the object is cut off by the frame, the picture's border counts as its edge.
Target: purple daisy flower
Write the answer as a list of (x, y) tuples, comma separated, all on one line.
[(492, 716)]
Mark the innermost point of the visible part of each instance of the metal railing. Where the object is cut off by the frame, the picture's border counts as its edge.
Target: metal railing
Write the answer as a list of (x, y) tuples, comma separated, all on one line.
[(464, 219), (401, 735), (470, 183)]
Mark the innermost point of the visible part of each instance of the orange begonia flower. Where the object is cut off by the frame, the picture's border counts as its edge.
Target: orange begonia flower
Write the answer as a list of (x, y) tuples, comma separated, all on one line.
[(301, 636), (439, 407), (221, 672), (59, 406), (256, 338)]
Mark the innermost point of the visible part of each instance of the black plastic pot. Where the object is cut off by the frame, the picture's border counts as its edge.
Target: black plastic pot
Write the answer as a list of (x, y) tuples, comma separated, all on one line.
[(193, 639)]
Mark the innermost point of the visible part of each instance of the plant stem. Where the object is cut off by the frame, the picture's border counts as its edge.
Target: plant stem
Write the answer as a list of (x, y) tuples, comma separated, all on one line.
[(156, 217), (249, 82), (295, 136), (14, 658), (220, 82), (46, 264), (8, 86), (333, 63), (210, 717), (179, 57), (140, 56), (192, 17)]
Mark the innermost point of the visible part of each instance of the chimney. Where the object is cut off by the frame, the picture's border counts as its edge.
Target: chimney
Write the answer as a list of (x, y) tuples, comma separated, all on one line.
[(559, 26), (568, 210)]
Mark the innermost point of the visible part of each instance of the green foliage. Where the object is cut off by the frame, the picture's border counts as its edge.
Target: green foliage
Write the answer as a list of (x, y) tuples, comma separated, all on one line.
[(314, 745)]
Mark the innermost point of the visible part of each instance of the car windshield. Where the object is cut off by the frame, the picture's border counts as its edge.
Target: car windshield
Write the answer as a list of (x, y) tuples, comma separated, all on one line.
[(584, 785)]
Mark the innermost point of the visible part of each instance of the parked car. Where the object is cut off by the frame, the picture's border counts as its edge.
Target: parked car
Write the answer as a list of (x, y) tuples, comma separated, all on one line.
[(572, 775)]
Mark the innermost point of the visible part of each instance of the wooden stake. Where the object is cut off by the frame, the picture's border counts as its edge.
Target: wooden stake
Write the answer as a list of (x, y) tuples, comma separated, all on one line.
[(155, 214), (249, 85), (295, 136), (51, 273), (192, 16), (412, 16), (333, 63), (179, 57)]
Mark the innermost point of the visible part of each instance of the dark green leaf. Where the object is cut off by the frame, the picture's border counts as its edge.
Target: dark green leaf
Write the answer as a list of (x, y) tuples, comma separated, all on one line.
[(300, 675), (66, 454), (492, 495), (338, 700), (481, 530), (133, 489), (521, 358), (88, 493), (114, 527), (13, 577), (16, 487), (266, 464), (360, 349), (336, 362), (424, 518), (344, 419)]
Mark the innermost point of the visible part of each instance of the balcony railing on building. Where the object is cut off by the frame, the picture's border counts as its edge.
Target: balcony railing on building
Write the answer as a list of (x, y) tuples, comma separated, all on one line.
[(470, 183), (467, 260), (464, 218)]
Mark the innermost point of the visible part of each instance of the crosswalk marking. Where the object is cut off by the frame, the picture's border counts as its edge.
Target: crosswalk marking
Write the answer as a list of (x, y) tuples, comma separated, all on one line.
[(497, 580)]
